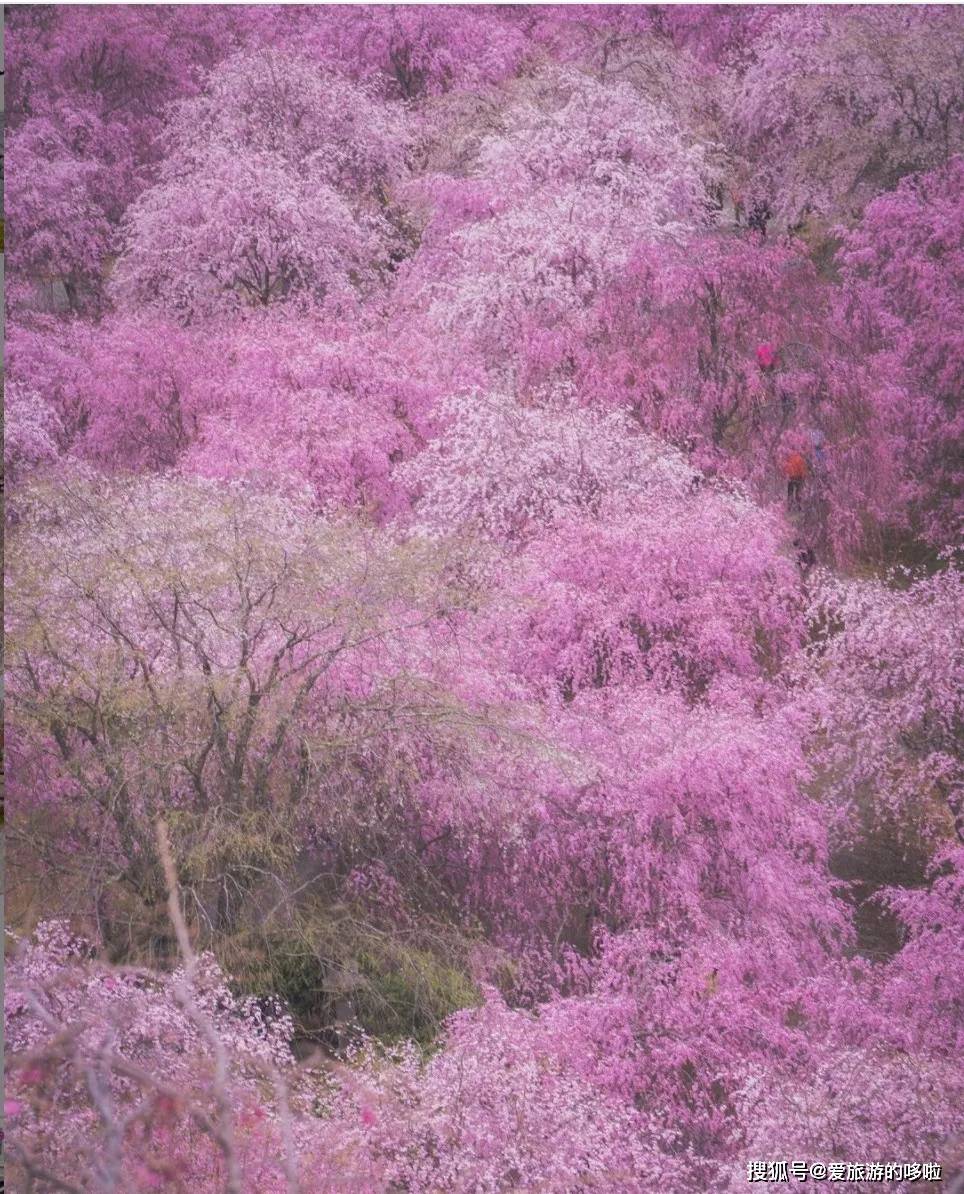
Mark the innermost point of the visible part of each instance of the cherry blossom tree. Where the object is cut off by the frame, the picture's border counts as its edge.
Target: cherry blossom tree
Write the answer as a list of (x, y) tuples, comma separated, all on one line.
[(587, 169), (904, 267), (504, 471), (838, 106), (268, 102), (231, 661), (31, 432), (286, 411), (239, 232), (169, 1096), (735, 351), (888, 706), (683, 592), (408, 54), (86, 92), (245, 215), (60, 202)]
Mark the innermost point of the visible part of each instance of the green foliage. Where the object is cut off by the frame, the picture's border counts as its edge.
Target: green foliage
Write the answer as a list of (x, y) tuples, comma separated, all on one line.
[(334, 965), (408, 992)]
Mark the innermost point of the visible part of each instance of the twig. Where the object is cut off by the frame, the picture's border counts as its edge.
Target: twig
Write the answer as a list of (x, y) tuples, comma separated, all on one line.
[(223, 1125)]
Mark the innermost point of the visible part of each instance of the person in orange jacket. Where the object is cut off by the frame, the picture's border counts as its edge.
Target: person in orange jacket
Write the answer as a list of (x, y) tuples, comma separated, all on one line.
[(795, 471)]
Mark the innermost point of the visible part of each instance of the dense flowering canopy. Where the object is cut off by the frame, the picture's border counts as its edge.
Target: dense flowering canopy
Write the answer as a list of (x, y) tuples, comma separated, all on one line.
[(836, 107), (904, 264), (483, 622)]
